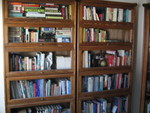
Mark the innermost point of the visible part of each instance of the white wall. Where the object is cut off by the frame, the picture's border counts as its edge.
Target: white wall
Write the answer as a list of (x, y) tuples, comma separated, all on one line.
[(138, 66)]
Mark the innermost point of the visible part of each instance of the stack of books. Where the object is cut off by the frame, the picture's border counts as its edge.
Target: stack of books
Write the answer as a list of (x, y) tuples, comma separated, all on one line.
[(33, 10), (63, 35), (43, 10), (47, 35), (16, 9), (16, 34), (53, 11)]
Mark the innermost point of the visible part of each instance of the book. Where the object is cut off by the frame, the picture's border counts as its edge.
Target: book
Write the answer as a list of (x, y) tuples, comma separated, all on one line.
[(120, 15), (54, 17)]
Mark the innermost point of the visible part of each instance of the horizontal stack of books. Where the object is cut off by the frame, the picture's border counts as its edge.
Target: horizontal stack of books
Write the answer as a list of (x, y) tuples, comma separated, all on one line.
[(40, 88), (110, 105), (47, 34), (15, 9), (106, 14), (43, 10), (63, 35), (105, 82), (53, 11), (16, 34), (33, 10)]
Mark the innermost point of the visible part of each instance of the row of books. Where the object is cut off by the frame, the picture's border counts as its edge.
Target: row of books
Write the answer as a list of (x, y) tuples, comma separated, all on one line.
[(94, 35), (105, 82), (45, 109), (110, 105), (36, 34), (40, 88), (105, 58), (41, 10), (39, 61), (106, 14)]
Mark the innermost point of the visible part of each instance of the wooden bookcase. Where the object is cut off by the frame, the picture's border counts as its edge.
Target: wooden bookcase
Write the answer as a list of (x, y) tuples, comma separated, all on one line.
[(145, 98), (119, 38), (31, 48), (88, 47)]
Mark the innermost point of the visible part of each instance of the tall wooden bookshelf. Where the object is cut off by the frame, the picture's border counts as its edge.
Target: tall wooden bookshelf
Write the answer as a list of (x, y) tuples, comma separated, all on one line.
[(93, 49), (17, 18), (145, 97)]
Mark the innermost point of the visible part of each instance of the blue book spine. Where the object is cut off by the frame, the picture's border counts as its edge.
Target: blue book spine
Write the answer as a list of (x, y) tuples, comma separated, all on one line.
[(41, 87), (94, 107), (101, 83), (127, 15), (37, 88)]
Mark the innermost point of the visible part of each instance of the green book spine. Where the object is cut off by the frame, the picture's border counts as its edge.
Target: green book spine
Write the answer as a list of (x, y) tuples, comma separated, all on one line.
[(35, 10), (53, 17)]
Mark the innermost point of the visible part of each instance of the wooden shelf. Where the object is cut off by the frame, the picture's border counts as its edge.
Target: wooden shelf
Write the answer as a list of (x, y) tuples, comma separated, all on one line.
[(106, 69), (33, 77), (20, 105), (30, 47), (35, 73), (108, 4), (37, 22), (99, 72), (105, 46), (39, 99), (45, 1), (104, 94), (106, 25)]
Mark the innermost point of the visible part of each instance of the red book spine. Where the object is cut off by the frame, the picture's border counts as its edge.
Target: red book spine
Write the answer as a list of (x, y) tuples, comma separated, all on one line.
[(15, 3), (30, 5), (50, 5), (63, 11), (34, 85), (100, 17), (83, 13)]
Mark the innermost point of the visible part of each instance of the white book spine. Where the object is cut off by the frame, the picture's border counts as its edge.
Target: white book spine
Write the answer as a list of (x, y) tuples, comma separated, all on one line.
[(90, 84), (84, 9), (42, 61), (120, 15), (114, 14)]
